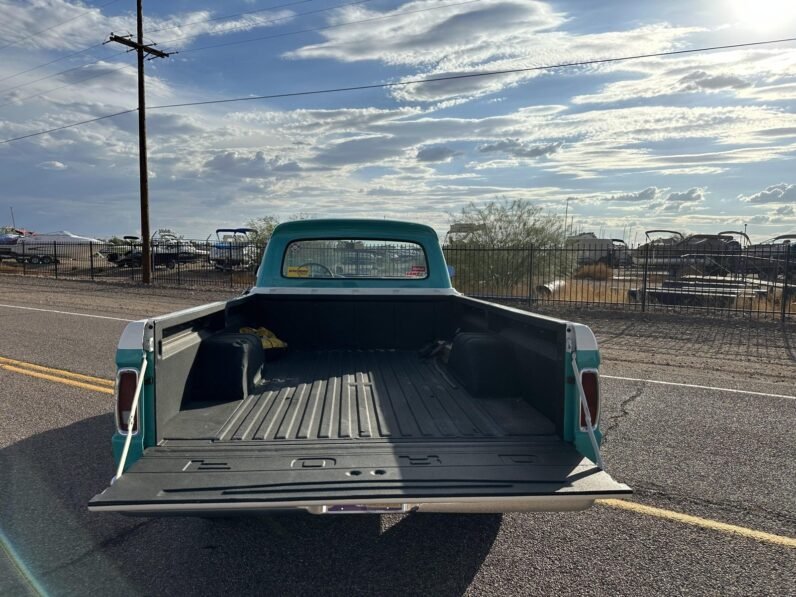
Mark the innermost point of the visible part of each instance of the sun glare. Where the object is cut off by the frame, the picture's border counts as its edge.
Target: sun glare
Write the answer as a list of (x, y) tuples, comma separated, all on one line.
[(765, 15)]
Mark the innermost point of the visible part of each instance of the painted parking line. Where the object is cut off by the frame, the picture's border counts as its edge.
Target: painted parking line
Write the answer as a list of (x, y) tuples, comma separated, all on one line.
[(698, 387), (698, 521), (66, 313)]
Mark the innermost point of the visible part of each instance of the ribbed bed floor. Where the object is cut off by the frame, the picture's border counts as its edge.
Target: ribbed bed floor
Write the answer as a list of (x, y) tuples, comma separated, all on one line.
[(361, 395)]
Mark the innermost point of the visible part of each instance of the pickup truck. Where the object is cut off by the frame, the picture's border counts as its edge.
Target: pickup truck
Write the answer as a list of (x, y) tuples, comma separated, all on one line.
[(386, 391)]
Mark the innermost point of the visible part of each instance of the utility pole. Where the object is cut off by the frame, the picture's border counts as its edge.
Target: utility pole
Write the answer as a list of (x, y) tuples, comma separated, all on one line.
[(148, 52), (14, 222)]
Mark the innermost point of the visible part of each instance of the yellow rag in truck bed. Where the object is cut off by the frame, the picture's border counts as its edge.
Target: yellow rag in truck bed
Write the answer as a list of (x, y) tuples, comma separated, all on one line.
[(267, 337)]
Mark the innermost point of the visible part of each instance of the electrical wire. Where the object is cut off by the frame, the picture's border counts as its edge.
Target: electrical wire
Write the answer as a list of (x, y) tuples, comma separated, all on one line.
[(188, 24), (38, 66), (61, 72), (69, 126), (84, 79), (279, 19), (232, 16), (276, 20), (474, 75), (40, 31), (423, 81), (261, 38)]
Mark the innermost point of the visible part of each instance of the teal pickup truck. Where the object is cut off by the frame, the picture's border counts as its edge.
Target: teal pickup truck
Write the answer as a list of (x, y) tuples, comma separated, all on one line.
[(353, 378)]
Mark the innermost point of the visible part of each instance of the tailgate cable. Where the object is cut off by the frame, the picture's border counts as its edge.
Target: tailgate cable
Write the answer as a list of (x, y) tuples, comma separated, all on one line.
[(584, 405), (131, 420)]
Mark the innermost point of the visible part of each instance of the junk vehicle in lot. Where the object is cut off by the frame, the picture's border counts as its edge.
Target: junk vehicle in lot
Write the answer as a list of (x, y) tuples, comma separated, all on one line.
[(338, 393), (590, 250), (772, 259), (234, 249), (712, 254)]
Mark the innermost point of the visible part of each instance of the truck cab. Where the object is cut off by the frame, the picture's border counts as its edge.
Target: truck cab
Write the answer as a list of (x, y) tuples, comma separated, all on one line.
[(352, 378)]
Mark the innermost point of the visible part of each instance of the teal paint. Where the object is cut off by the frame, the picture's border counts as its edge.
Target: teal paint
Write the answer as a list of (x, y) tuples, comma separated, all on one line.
[(131, 358), (270, 272), (587, 359)]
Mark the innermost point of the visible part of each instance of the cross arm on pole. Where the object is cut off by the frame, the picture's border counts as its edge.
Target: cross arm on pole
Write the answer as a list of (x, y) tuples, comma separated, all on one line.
[(126, 41)]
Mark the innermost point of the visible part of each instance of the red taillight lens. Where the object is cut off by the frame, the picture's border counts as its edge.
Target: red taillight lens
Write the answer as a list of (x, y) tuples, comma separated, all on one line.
[(591, 388), (126, 381)]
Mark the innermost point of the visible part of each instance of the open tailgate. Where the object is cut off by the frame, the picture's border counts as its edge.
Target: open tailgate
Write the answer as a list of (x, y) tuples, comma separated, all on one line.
[(501, 476)]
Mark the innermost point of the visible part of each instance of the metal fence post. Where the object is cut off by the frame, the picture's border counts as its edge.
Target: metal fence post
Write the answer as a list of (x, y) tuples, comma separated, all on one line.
[(229, 263), (530, 275), (24, 259), (91, 259), (784, 306), (179, 264), (644, 279), (55, 258)]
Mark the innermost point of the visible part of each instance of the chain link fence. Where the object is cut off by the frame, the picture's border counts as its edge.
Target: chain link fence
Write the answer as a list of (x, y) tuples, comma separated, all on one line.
[(759, 281)]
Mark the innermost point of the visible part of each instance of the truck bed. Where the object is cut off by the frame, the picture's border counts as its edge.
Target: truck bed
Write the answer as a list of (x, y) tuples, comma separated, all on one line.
[(358, 395), (353, 417)]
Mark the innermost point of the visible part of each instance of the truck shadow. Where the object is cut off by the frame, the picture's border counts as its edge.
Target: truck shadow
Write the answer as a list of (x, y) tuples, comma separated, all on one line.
[(46, 481)]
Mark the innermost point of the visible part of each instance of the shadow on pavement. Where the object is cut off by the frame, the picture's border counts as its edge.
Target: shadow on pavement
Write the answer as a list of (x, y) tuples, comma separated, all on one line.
[(46, 481)]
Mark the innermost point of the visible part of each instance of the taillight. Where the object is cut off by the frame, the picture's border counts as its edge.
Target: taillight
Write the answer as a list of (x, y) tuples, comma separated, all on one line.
[(126, 382), (590, 381)]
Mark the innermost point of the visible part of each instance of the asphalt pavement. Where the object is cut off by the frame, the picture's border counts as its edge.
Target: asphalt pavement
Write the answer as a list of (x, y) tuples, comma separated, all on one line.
[(725, 457)]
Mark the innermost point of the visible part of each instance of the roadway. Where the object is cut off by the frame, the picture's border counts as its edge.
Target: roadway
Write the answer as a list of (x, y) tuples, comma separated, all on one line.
[(713, 464)]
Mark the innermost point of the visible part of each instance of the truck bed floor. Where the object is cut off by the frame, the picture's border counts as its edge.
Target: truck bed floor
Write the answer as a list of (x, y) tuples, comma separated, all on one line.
[(344, 395)]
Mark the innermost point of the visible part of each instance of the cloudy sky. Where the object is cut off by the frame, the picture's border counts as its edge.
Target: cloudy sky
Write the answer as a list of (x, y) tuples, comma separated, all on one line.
[(698, 142)]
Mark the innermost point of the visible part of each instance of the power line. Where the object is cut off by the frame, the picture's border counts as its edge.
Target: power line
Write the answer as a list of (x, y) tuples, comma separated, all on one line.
[(476, 74), (69, 126), (46, 91), (61, 72), (423, 81), (40, 31), (260, 38), (279, 19), (68, 70), (38, 66), (179, 26), (232, 16)]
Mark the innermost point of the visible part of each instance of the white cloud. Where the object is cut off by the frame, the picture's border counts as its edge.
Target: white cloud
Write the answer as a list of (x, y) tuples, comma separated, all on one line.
[(700, 80), (778, 193), (23, 19), (518, 149), (436, 153), (471, 37), (689, 196), (52, 165), (761, 74), (412, 34), (648, 194)]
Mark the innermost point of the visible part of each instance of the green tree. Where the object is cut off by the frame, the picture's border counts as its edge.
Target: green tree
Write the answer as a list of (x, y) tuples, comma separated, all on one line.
[(504, 224), (503, 247), (264, 228)]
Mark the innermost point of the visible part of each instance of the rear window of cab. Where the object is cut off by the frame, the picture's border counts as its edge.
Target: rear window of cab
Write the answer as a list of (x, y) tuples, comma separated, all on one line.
[(355, 259)]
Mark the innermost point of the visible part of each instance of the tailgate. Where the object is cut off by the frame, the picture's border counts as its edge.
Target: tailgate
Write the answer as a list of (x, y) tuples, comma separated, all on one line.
[(499, 476)]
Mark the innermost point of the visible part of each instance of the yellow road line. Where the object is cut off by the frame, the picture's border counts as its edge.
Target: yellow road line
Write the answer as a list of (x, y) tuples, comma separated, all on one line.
[(105, 386), (57, 372), (700, 522), (63, 380)]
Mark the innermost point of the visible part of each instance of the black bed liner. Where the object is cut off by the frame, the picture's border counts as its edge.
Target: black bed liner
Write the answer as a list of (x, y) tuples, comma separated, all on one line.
[(358, 395), (341, 428)]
